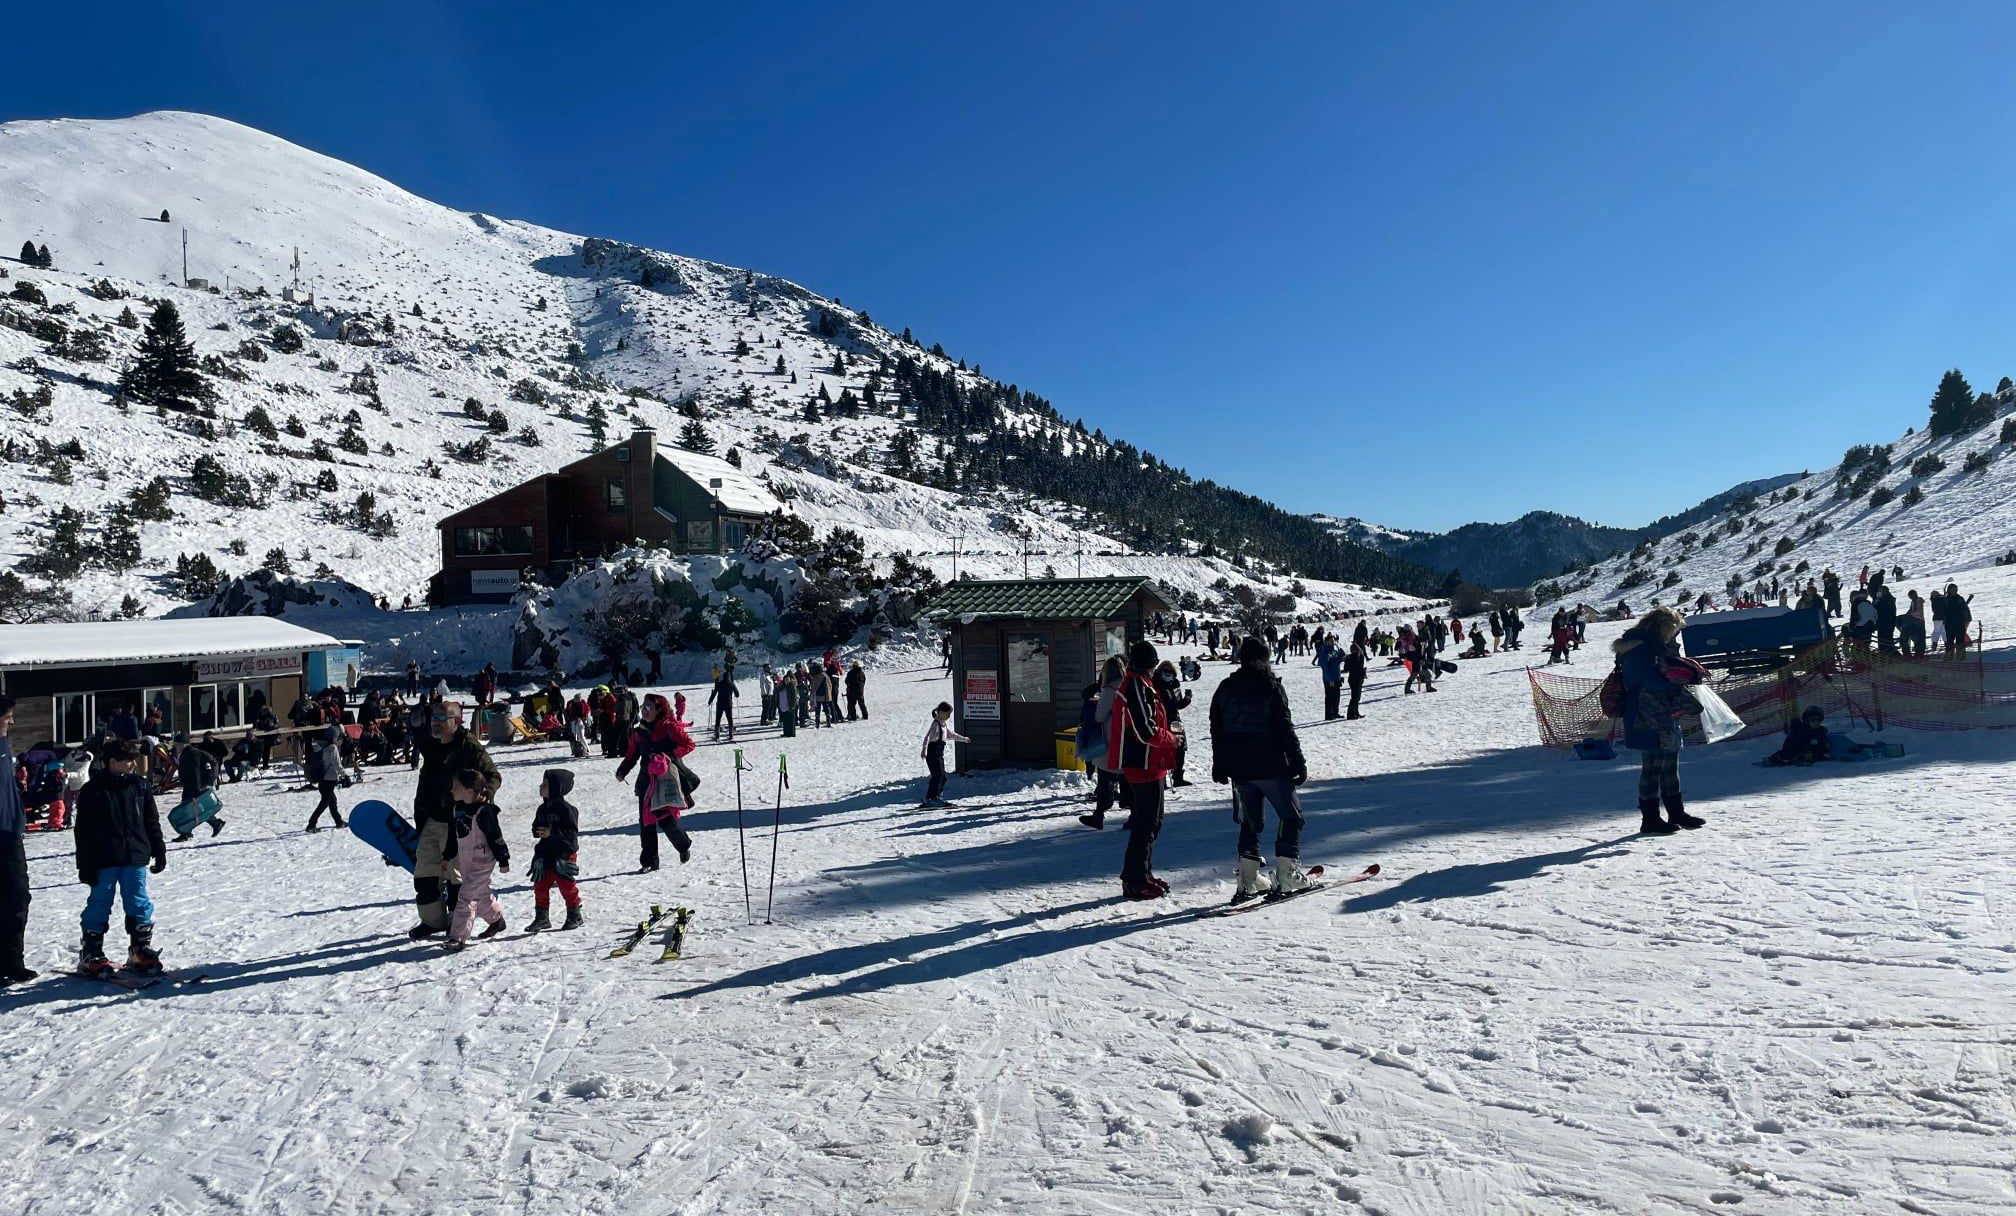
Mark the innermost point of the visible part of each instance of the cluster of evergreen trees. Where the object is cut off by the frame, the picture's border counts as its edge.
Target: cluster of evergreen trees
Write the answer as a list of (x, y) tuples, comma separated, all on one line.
[(1957, 408), (36, 257)]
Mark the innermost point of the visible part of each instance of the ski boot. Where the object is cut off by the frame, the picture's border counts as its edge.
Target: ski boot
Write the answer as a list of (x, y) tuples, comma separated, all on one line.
[(1650, 824), (1144, 890), (1252, 883), (141, 957), (1288, 877), (17, 975), (91, 958), (540, 922), (573, 920)]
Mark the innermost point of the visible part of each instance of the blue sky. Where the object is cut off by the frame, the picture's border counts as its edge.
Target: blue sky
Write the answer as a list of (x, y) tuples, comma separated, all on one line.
[(1423, 263)]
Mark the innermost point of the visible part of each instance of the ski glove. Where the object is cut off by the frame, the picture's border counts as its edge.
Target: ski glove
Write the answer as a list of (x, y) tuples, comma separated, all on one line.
[(160, 864)]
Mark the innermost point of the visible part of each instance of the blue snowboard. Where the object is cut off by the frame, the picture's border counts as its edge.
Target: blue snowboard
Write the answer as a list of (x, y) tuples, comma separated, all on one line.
[(386, 830)]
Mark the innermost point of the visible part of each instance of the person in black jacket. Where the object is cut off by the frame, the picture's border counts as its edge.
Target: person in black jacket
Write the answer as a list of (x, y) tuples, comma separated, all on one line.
[(857, 691), (1806, 740), (1354, 678), (1175, 699), (197, 769), (1655, 676), (1254, 747), (118, 831), (14, 885), (556, 825), (448, 750)]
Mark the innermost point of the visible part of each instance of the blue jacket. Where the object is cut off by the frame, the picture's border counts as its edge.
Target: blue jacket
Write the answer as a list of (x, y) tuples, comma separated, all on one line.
[(1331, 659), (12, 819)]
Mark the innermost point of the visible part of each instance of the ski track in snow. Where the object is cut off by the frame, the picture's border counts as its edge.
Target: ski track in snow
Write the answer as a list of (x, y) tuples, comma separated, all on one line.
[(1801, 1008)]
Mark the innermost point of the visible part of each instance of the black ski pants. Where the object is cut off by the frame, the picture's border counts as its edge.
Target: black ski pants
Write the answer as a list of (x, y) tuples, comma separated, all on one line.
[(1357, 690), (1333, 691), (328, 803), (14, 899), (1143, 826), (934, 759), (647, 833), (1252, 798), (857, 702)]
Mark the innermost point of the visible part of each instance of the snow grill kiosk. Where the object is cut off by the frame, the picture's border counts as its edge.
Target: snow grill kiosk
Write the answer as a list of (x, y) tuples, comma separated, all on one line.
[(204, 673), (1023, 651)]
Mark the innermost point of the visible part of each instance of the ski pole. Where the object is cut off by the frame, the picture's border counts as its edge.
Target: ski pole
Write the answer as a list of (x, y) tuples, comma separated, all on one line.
[(748, 901), (776, 829)]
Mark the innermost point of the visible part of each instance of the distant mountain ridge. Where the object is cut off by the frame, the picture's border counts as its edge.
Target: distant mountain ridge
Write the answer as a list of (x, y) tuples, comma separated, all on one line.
[(1534, 546)]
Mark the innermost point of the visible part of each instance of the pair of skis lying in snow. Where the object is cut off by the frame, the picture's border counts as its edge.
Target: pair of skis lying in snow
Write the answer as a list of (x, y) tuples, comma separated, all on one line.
[(1271, 898), (675, 941)]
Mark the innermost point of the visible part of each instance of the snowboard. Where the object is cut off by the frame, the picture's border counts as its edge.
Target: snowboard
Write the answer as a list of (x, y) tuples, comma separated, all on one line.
[(386, 830), (200, 809)]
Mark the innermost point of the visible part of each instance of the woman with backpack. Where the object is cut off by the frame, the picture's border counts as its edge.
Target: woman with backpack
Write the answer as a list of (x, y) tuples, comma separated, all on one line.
[(1095, 717), (1648, 691)]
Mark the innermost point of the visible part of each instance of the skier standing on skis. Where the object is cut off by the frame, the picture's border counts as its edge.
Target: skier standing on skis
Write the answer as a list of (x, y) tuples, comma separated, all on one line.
[(1141, 746), (1655, 677), (936, 736), (118, 831), (1254, 747), (557, 827)]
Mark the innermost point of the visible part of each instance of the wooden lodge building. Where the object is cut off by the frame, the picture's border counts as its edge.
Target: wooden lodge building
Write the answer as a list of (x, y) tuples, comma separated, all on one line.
[(634, 492), (1023, 651)]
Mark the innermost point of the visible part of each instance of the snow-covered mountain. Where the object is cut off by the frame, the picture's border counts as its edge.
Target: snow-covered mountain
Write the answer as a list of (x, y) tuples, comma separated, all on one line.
[(1536, 545), (447, 355), (1934, 505)]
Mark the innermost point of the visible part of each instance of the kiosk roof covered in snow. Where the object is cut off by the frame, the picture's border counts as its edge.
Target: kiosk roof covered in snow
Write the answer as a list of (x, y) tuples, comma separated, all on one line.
[(1023, 651), (632, 492), (201, 673)]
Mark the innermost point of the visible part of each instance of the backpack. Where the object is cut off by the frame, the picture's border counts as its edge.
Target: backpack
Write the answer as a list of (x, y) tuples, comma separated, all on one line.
[(1611, 695)]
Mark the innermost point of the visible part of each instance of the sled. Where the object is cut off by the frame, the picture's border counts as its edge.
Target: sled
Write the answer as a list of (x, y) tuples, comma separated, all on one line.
[(201, 809)]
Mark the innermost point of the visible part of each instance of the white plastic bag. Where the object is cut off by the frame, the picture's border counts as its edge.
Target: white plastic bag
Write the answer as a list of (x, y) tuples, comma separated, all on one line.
[(1718, 721)]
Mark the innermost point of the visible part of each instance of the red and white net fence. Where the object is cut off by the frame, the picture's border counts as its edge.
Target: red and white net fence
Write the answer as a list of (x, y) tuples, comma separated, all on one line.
[(1855, 685)]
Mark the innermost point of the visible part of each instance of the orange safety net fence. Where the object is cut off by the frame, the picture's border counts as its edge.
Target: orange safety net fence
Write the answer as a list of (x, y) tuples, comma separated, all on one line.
[(1855, 684)]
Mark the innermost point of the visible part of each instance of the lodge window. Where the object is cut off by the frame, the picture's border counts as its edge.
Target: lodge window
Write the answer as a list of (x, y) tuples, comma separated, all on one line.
[(618, 494), (733, 533), (1028, 668), (483, 542), (73, 717), (162, 699)]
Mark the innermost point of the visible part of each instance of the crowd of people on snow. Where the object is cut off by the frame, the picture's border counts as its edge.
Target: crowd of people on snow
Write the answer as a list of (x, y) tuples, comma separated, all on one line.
[(1132, 740)]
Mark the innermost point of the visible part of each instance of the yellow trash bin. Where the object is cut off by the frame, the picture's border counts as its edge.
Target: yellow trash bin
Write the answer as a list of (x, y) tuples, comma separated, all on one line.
[(1067, 749)]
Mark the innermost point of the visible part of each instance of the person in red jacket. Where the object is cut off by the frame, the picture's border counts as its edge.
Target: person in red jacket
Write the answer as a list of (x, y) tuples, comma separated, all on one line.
[(1142, 749), (657, 743)]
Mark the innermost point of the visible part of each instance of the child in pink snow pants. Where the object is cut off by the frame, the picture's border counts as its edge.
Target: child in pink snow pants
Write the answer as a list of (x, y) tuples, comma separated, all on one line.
[(479, 848)]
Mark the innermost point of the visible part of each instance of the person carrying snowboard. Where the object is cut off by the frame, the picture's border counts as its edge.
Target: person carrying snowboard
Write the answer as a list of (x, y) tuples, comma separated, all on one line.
[(1655, 676), (1142, 747), (556, 825), (197, 772), (936, 736), (1254, 747), (118, 835), (479, 850)]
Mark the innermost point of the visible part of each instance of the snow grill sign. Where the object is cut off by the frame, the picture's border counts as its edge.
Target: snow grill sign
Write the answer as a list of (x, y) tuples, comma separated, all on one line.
[(983, 695), (248, 667)]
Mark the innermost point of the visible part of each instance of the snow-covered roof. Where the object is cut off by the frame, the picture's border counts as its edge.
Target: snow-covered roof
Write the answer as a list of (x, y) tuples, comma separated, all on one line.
[(84, 642), (738, 492)]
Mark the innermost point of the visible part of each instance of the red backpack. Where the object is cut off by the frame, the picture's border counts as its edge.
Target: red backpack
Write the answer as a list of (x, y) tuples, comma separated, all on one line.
[(1611, 695)]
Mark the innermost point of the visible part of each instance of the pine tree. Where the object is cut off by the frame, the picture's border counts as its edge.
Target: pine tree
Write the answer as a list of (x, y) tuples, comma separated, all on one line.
[(276, 561), (119, 543), (839, 367), (1952, 404), (43, 259), (779, 369), (163, 372), (694, 438), (126, 318), (28, 256)]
